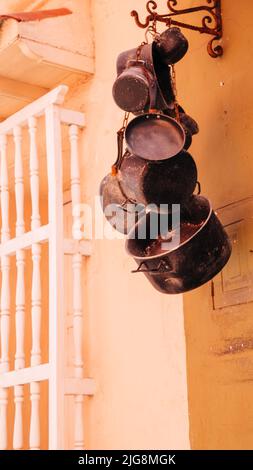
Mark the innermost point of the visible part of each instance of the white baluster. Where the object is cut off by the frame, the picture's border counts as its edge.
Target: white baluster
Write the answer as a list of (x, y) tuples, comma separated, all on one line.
[(34, 174), (75, 169), (36, 350), (36, 288), (36, 306), (18, 422), (5, 231), (34, 439), (19, 181), (5, 292), (3, 418), (77, 292), (20, 291), (78, 347)]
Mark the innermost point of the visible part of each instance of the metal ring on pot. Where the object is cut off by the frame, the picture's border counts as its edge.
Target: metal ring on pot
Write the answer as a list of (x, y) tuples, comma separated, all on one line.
[(154, 137), (200, 252)]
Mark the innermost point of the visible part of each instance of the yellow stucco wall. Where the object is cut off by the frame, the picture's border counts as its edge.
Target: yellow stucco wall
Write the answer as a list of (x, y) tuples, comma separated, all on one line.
[(218, 93)]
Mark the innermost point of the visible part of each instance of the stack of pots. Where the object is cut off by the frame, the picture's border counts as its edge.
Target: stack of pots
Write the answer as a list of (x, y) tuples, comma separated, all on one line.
[(180, 251)]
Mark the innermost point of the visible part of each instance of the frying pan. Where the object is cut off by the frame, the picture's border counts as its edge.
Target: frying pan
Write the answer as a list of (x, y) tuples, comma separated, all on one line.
[(154, 136)]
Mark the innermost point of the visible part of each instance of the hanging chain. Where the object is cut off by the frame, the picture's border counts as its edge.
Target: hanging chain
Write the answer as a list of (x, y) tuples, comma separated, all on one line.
[(139, 49), (120, 134), (174, 86), (125, 120), (152, 30)]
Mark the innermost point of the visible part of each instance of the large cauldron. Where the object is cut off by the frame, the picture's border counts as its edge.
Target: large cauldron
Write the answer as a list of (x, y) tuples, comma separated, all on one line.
[(201, 253)]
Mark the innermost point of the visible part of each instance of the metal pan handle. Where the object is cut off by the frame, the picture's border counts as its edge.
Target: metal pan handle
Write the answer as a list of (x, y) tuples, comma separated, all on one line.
[(120, 141), (162, 268), (138, 62)]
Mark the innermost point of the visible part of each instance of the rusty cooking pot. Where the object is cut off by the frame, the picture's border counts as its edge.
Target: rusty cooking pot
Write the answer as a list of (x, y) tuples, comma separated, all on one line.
[(167, 182), (135, 70), (171, 45), (120, 211), (186, 121), (189, 125), (202, 251), (154, 136), (131, 89)]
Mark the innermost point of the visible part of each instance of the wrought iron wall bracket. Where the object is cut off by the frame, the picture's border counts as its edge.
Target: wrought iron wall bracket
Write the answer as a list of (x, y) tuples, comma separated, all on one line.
[(211, 22)]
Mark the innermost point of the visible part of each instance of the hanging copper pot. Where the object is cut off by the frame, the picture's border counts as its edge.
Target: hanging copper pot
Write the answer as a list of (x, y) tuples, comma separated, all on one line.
[(135, 70), (131, 89), (120, 210), (202, 251), (188, 123), (168, 182), (171, 45)]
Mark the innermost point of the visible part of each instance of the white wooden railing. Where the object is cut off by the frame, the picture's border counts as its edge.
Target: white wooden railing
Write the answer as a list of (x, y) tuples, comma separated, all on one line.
[(16, 373)]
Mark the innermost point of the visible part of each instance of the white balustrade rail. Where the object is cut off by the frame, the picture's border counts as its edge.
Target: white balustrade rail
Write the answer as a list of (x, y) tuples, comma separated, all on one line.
[(29, 236)]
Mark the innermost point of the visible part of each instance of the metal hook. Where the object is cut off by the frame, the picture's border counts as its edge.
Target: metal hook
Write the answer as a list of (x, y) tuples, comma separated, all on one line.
[(152, 31), (211, 23)]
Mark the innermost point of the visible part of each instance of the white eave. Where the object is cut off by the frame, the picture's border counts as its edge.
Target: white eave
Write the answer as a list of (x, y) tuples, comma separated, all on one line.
[(38, 55)]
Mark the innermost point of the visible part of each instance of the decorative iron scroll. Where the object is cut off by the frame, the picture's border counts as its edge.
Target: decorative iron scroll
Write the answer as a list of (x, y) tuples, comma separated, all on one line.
[(211, 22)]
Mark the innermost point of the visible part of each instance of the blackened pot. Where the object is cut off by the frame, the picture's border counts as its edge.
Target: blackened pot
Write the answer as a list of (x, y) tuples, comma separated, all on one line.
[(202, 252), (186, 121), (172, 45), (131, 88), (148, 55), (169, 182)]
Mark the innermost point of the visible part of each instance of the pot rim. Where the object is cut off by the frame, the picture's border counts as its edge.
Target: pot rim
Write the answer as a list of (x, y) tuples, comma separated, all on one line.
[(134, 71), (178, 246)]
